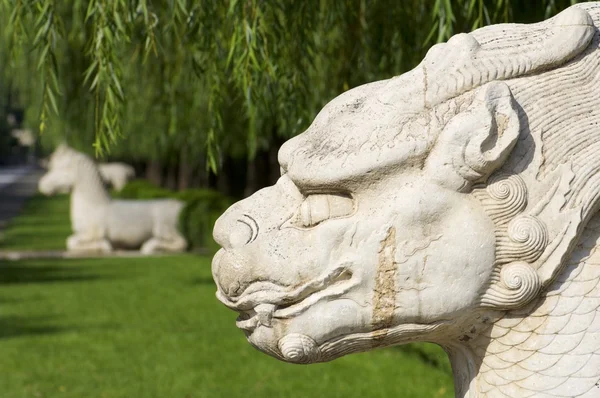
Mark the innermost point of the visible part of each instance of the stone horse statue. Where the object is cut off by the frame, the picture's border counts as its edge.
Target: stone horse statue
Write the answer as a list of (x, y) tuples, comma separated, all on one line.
[(115, 174), (100, 223), (455, 204)]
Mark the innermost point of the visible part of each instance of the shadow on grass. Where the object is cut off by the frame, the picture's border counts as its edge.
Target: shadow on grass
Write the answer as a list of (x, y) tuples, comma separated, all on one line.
[(19, 273), (12, 300), (16, 326), (22, 240), (46, 219)]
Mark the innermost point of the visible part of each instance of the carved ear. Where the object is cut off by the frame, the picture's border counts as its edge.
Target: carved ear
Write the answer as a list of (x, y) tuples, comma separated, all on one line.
[(477, 141)]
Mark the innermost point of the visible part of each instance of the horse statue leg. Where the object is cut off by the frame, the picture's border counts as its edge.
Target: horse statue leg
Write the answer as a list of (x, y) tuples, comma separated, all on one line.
[(80, 242), (172, 242)]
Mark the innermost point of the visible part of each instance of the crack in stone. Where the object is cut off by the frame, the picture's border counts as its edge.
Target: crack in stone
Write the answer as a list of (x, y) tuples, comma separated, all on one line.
[(384, 295)]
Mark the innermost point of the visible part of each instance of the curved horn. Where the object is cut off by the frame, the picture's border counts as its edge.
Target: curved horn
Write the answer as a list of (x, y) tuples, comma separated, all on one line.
[(468, 61)]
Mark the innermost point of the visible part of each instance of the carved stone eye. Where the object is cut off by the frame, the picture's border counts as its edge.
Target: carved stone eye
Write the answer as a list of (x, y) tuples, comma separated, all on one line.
[(321, 207)]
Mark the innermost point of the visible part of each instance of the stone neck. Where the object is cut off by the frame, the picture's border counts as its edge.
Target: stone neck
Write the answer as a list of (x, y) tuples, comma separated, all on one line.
[(89, 196), (89, 187), (551, 347), (465, 368)]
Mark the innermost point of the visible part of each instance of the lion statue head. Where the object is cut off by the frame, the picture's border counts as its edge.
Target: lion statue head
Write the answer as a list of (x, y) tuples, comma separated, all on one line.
[(427, 207)]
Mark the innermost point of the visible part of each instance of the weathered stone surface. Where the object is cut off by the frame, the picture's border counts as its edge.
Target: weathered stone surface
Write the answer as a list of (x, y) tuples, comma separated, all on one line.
[(102, 224), (455, 204)]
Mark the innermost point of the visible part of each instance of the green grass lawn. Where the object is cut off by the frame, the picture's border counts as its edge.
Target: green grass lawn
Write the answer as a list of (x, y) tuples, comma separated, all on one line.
[(151, 327), (43, 225)]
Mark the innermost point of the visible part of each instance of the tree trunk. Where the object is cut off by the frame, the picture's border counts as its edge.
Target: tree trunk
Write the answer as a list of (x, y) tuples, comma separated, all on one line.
[(185, 171), (251, 177), (200, 177), (258, 174), (223, 181), (264, 169), (171, 180), (154, 172), (274, 168)]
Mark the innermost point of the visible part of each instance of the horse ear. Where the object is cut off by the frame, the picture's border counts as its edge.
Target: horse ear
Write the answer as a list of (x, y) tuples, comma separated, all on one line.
[(477, 141)]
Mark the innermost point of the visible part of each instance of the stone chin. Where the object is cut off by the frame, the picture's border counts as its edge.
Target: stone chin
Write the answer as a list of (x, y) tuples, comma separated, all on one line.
[(303, 349), (318, 321), (311, 337)]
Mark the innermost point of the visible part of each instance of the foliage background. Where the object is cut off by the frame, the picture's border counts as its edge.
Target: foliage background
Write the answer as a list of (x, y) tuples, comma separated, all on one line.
[(184, 89), (179, 87)]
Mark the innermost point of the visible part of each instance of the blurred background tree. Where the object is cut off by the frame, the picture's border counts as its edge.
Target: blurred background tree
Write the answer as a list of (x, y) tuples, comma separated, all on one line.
[(203, 93)]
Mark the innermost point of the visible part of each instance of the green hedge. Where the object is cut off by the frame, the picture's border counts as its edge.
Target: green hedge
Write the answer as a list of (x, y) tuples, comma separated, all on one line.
[(202, 208), (142, 189)]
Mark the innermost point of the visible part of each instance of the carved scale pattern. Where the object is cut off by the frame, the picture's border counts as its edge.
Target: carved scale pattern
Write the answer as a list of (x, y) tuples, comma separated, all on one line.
[(550, 348)]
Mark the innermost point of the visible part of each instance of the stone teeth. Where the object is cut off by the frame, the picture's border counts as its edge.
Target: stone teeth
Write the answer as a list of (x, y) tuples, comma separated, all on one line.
[(247, 324), (264, 313)]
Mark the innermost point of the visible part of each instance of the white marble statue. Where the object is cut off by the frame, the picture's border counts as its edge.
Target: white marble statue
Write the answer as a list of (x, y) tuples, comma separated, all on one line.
[(100, 223), (115, 174), (455, 204)]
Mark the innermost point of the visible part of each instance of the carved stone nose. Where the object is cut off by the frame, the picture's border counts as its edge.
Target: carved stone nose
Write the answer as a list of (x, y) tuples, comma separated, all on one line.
[(235, 230), (231, 272)]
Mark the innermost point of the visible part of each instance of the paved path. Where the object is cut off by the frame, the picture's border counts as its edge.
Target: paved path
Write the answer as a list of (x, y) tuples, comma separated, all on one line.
[(17, 184), (8, 175)]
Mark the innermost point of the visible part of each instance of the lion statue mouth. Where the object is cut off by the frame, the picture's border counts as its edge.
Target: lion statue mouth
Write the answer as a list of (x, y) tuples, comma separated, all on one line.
[(262, 301)]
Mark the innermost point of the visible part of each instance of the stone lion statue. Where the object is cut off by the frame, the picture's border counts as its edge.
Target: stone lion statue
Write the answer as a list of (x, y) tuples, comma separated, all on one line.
[(455, 204)]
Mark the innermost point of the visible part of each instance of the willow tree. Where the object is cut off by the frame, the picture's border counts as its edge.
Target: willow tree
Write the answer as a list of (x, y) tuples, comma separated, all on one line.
[(186, 84)]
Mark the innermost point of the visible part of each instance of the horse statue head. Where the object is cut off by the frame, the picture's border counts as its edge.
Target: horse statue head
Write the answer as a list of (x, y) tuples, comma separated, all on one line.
[(61, 172), (453, 204)]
